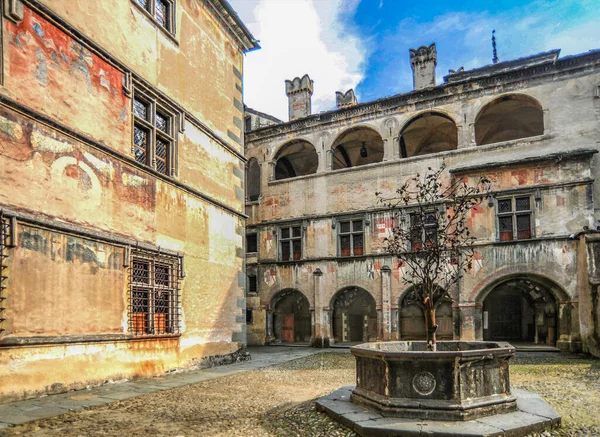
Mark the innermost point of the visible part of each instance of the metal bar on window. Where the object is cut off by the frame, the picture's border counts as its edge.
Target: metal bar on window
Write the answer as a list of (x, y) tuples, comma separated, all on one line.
[(6, 228)]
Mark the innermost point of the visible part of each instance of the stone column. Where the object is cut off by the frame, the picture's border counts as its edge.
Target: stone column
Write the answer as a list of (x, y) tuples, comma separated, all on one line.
[(321, 329), (269, 323), (386, 304)]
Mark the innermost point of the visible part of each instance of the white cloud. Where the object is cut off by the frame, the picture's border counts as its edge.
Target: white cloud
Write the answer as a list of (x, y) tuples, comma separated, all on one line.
[(299, 37)]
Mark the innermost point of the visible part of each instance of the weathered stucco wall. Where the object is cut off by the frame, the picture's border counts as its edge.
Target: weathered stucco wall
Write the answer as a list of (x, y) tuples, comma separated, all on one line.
[(561, 188), (195, 68), (68, 174)]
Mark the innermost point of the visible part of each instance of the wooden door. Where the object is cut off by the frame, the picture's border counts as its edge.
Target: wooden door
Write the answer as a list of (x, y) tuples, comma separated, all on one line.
[(287, 328)]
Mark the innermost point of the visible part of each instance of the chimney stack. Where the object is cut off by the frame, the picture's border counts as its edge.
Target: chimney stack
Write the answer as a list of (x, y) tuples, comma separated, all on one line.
[(345, 100), (299, 92), (423, 61)]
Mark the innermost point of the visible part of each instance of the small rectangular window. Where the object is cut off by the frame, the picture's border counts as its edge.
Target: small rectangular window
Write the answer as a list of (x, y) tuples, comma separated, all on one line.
[(290, 243), (160, 10), (514, 218), (351, 237), (248, 124), (251, 243), (423, 229), (153, 141), (252, 284), (249, 316), (154, 294)]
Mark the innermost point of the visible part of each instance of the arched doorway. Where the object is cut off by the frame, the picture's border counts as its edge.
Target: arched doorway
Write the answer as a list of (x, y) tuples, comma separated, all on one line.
[(291, 317), (412, 319), (354, 316), (521, 309)]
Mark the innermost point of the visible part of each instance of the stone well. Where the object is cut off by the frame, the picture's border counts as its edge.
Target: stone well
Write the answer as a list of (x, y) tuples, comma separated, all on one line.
[(463, 380)]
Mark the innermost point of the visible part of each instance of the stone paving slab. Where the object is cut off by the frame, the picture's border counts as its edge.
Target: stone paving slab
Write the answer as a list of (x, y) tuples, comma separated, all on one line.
[(534, 415), (19, 412)]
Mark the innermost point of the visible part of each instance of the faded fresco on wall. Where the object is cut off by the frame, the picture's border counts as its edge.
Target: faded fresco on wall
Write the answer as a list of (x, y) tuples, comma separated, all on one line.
[(58, 76)]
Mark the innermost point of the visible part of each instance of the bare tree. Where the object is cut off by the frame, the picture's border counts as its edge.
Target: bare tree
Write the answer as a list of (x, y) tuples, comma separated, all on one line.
[(431, 237)]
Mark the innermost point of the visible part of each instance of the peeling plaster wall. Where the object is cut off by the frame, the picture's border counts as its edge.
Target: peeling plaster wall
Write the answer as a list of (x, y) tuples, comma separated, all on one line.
[(68, 291)]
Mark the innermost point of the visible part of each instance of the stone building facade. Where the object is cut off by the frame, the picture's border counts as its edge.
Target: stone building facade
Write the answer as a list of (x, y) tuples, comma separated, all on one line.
[(317, 269), (121, 189)]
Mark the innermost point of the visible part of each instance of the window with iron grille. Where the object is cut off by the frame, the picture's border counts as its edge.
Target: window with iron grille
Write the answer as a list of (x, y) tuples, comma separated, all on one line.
[(514, 216), (4, 244), (162, 11), (154, 294), (252, 284), (153, 134), (351, 237), (290, 243), (423, 228), (251, 243)]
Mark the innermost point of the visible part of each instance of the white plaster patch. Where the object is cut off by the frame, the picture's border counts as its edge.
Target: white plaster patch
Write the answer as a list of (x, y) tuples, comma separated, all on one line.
[(43, 143), (131, 180), (105, 168)]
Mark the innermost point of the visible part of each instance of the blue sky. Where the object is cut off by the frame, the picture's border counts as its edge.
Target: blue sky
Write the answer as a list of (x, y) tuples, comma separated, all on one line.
[(363, 44)]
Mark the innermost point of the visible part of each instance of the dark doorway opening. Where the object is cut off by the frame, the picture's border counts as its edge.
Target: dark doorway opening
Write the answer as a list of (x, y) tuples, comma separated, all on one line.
[(354, 316), (291, 317), (520, 310)]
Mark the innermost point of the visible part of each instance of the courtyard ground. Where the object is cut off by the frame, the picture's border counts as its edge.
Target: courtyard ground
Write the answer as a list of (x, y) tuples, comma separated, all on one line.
[(279, 401)]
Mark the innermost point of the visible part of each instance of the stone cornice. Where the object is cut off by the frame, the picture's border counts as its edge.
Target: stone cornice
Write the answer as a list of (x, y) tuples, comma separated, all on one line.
[(232, 24), (431, 97)]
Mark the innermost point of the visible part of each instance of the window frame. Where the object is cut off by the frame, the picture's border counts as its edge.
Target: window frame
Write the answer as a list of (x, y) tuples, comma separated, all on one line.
[(150, 11), (248, 251), (145, 323), (415, 245), (514, 213), (351, 233), (291, 239), (154, 134), (252, 278)]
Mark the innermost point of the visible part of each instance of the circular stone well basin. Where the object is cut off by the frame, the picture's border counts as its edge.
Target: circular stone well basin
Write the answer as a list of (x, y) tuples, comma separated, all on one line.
[(462, 380)]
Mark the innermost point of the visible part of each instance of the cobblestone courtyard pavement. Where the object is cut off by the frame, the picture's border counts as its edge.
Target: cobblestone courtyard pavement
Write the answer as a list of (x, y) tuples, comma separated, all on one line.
[(278, 400)]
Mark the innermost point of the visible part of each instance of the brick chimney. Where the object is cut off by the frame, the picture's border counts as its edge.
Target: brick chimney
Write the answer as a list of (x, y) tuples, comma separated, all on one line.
[(345, 100), (299, 92), (423, 61)]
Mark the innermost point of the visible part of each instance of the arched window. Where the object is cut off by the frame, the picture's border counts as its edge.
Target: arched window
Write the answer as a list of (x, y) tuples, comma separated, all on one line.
[(427, 133), (297, 158), (358, 146), (509, 118), (253, 180)]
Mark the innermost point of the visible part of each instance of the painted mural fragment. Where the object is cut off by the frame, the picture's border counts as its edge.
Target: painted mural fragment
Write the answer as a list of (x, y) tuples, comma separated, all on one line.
[(62, 78)]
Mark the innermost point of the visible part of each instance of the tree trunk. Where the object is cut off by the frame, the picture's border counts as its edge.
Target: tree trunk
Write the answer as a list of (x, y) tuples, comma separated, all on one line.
[(430, 325)]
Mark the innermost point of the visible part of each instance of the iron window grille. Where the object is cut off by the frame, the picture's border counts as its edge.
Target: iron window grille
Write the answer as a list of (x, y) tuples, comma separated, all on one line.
[(153, 134), (423, 228), (351, 237), (161, 11), (251, 243), (514, 217), (5, 231), (154, 305), (290, 243)]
